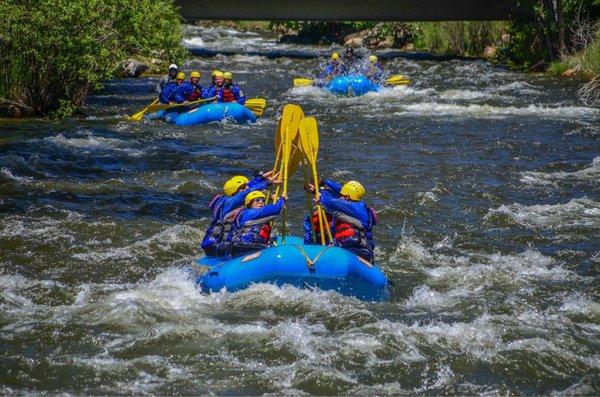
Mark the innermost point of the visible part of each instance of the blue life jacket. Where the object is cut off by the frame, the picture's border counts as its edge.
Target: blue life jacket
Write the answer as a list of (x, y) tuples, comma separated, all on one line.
[(251, 228), (210, 92), (333, 69), (224, 210), (168, 92), (353, 223), (375, 72), (186, 91)]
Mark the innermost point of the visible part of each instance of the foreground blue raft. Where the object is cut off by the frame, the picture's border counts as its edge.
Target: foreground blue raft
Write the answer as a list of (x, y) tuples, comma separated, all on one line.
[(206, 114), (354, 85), (299, 265)]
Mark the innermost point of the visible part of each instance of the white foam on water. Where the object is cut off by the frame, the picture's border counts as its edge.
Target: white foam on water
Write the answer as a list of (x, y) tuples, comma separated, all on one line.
[(581, 212), (92, 142), (520, 87), (427, 198), (167, 240), (484, 111), (581, 305), (410, 249), (463, 95), (591, 173), (458, 280), (193, 42), (7, 173)]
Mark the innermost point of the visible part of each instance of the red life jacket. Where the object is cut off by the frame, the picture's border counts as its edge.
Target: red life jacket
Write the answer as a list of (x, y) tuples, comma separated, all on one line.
[(227, 95), (194, 96), (314, 219), (265, 231), (346, 227)]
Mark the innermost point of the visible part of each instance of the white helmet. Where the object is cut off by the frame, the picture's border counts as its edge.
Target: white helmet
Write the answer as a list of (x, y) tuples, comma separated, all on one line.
[(173, 66)]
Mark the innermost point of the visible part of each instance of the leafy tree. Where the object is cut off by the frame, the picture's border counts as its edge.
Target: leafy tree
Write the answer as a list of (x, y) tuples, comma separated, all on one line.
[(53, 52)]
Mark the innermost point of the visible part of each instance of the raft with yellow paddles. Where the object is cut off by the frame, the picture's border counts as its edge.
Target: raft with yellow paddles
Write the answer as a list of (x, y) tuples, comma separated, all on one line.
[(206, 111), (353, 85), (290, 260)]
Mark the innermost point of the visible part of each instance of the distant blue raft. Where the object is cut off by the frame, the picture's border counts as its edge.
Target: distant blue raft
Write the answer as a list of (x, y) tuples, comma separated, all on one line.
[(298, 265), (354, 85), (206, 114)]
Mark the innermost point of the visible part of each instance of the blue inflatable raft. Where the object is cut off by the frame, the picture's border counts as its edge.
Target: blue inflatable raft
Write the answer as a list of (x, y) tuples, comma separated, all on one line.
[(354, 85), (298, 265), (206, 114)]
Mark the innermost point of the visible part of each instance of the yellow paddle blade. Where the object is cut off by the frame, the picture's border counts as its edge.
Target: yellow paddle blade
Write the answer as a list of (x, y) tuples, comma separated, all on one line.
[(256, 105), (301, 82), (397, 80), (290, 119), (295, 158), (309, 138), (139, 115)]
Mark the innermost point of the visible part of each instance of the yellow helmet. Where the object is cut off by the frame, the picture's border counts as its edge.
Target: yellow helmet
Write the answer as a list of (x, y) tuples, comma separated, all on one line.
[(228, 76), (195, 74), (233, 184), (335, 56), (180, 76), (373, 58), (354, 190), (254, 195), (215, 72)]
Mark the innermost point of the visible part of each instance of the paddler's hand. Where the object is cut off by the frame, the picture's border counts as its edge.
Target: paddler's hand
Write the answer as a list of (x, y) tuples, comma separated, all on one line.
[(309, 187)]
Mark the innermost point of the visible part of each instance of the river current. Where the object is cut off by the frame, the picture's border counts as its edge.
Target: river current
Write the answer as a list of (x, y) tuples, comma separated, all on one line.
[(487, 183)]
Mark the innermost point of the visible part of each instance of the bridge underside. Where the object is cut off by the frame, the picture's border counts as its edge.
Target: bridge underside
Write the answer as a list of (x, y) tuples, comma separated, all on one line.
[(347, 10)]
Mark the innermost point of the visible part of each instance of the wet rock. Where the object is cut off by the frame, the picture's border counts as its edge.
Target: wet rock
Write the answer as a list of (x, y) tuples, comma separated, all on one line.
[(490, 51), (353, 40), (133, 68)]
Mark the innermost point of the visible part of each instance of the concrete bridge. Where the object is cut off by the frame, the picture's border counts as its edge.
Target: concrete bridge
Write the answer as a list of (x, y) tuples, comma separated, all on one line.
[(347, 10)]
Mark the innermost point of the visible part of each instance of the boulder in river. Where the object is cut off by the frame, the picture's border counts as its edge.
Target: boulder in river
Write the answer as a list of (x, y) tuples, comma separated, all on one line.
[(133, 68)]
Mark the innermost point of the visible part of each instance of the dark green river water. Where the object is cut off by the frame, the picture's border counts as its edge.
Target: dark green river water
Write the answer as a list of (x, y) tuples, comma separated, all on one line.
[(487, 184)]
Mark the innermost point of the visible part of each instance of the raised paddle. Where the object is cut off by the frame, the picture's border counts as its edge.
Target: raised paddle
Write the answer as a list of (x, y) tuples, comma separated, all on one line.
[(256, 105), (309, 138), (290, 112), (139, 115)]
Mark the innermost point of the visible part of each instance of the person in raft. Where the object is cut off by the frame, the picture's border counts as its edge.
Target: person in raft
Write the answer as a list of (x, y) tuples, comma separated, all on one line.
[(226, 206), (167, 95), (211, 90), (189, 90), (167, 78), (230, 92), (312, 231), (375, 71), (353, 220), (334, 68), (350, 61), (252, 226)]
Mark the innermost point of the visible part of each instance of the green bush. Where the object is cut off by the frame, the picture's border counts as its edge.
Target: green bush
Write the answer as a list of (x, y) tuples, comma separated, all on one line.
[(457, 37), (53, 52), (591, 58)]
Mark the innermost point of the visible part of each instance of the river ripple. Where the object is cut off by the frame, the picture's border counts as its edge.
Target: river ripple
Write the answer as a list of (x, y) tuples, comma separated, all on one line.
[(487, 185)]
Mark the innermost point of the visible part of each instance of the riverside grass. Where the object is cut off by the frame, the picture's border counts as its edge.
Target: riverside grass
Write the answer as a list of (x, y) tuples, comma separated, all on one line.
[(54, 52)]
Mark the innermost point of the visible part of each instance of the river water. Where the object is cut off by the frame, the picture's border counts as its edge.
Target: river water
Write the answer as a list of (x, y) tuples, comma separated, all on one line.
[(487, 187)]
